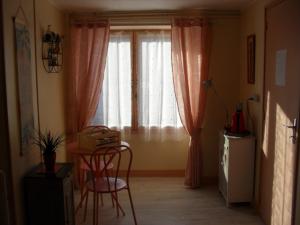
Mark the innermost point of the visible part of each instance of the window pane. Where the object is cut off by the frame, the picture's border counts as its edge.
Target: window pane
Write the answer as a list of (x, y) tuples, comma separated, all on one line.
[(156, 98), (114, 109)]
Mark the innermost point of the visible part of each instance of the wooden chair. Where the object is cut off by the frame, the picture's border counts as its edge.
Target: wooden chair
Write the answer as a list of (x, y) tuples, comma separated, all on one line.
[(105, 182)]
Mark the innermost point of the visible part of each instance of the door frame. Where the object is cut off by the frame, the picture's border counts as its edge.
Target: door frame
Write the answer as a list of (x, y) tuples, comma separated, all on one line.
[(269, 6), (4, 131), (297, 168)]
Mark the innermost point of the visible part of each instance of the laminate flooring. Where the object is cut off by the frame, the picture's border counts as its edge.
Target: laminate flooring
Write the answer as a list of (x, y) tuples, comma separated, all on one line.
[(166, 201)]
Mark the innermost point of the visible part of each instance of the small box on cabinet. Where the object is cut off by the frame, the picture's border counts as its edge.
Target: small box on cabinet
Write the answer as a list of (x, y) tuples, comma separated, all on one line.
[(97, 138)]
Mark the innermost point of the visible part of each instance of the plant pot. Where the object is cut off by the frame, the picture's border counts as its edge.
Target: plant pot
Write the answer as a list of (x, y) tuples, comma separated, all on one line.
[(49, 161)]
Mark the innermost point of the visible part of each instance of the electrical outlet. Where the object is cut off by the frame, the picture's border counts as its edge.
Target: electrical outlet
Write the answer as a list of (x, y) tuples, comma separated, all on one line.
[(254, 98)]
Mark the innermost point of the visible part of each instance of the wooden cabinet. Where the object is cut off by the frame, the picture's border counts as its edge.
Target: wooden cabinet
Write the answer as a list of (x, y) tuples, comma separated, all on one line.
[(236, 168), (49, 197)]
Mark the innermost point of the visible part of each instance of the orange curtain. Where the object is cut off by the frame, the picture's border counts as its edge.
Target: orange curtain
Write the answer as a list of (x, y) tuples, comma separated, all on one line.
[(88, 51), (191, 41)]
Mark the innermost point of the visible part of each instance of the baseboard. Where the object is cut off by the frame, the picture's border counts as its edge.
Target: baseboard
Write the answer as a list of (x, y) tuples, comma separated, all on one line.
[(168, 173), (157, 173)]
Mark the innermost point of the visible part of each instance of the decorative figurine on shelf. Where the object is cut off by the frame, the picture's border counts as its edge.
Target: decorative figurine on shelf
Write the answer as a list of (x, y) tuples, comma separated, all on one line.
[(48, 144)]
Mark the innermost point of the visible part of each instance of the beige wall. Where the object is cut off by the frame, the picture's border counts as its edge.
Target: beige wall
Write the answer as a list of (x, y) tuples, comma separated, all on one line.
[(252, 22), (50, 90), (50, 85), (19, 164), (159, 151), (224, 70), (171, 154)]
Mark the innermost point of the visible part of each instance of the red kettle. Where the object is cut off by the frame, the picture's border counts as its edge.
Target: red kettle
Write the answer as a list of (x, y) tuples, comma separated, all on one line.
[(238, 122)]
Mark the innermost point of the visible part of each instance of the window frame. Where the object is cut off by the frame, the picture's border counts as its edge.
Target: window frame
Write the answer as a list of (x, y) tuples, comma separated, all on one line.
[(133, 33)]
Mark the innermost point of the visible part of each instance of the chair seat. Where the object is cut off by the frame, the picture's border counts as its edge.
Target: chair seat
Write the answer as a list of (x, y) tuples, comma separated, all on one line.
[(84, 166), (102, 185)]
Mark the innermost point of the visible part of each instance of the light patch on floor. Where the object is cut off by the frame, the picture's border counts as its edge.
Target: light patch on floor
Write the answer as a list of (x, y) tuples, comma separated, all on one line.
[(165, 201)]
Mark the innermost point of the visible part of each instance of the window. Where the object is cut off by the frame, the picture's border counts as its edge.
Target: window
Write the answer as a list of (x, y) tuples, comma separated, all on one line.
[(114, 108), (156, 99), (155, 103)]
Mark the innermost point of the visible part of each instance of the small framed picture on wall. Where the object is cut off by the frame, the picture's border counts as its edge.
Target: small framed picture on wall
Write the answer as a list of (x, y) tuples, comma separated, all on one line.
[(251, 58)]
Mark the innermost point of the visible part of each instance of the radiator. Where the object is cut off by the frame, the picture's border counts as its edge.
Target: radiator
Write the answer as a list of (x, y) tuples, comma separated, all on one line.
[(4, 209)]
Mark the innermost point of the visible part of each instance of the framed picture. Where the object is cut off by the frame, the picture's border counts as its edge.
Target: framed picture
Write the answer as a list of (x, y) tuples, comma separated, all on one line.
[(251, 59), (24, 83)]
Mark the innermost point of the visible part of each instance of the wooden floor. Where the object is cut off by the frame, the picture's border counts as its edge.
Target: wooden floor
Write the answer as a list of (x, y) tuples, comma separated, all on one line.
[(165, 201)]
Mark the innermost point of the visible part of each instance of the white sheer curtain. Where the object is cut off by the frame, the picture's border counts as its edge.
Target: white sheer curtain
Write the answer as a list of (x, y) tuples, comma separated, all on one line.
[(114, 108), (156, 98)]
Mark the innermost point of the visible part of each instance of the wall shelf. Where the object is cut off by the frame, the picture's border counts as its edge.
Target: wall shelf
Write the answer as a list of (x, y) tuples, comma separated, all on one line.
[(52, 51)]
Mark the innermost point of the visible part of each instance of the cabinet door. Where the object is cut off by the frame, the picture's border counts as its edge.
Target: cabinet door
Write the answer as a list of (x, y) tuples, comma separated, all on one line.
[(69, 201), (241, 169), (44, 205)]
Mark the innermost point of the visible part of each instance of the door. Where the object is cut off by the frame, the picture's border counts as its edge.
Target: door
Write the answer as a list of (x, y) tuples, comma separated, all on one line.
[(281, 105)]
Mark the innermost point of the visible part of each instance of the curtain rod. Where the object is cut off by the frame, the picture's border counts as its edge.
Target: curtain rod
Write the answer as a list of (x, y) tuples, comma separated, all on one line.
[(123, 21), (149, 17), (207, 13)]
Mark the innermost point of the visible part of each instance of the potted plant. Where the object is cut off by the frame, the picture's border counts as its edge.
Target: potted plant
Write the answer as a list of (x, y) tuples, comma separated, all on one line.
[(48, 144)]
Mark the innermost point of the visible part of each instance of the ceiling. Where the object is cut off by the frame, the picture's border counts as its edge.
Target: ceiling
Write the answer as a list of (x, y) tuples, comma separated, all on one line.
[(149, 5)]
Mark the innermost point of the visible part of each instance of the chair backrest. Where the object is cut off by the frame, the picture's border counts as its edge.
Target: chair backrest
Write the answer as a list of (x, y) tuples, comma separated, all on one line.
[(120, 156)]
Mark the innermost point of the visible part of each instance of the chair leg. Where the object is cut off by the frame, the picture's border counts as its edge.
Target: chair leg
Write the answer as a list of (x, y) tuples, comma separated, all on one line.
[(81, 187), (131, 204), (82, 199), (102, 203), (85, 208), (94, 207), (117, 202), (97, 207), (112, 200), (82, 193), (111, 195), (119, 207)]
